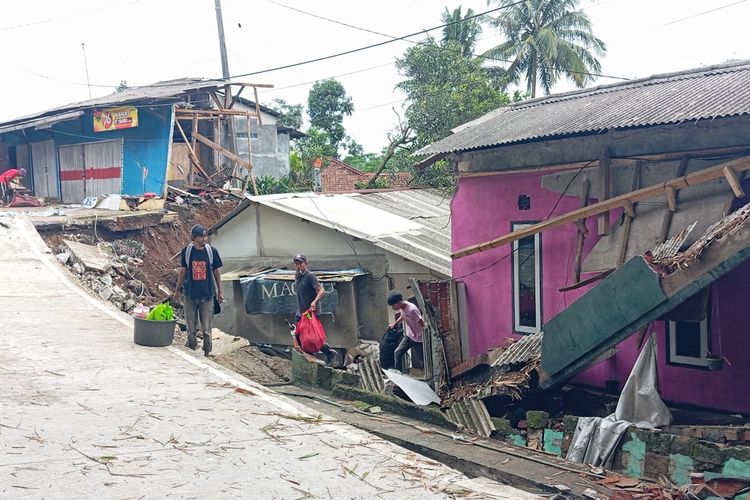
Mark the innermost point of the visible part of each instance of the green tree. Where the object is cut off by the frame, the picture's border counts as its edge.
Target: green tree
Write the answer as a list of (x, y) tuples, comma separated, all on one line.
[(123, 86), (461, 30), (546, 39), (315, 145), (327, 105), (290, 115), (444, 89)]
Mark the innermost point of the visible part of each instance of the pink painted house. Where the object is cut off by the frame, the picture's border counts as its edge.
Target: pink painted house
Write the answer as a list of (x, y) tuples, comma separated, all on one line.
[(533, 161)]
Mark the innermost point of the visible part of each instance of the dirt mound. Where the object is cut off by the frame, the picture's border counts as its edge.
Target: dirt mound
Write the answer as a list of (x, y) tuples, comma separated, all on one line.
[(255, 365)]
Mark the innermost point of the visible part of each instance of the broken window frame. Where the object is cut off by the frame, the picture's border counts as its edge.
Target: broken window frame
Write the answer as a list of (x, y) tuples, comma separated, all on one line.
[(675, 359), (515, 263)]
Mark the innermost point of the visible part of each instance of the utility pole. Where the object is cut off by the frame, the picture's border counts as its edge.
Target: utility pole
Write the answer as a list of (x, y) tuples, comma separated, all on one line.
[(222, 42), (86, 65)]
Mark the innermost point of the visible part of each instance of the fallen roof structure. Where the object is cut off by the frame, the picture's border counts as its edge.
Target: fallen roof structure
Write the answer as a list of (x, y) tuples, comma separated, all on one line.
[(607, 315)]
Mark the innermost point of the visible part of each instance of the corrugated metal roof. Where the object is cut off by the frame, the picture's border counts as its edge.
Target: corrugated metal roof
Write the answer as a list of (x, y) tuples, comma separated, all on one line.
[(471, 415), (413, 223), (155, 92), (698, 94)]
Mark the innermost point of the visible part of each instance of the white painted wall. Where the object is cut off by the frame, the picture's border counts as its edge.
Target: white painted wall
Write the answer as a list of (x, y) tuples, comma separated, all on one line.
[(238, 238)]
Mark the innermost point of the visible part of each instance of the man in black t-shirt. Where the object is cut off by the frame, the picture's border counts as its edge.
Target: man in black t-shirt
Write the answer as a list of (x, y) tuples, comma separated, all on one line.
[(309, 292), (201, 279)]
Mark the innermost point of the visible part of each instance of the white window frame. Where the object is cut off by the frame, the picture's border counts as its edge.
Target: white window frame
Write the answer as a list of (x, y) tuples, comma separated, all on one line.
[(688, 360), (537, 285)]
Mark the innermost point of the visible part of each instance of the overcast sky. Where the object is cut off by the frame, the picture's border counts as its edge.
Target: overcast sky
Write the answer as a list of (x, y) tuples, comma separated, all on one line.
[(144, 41)]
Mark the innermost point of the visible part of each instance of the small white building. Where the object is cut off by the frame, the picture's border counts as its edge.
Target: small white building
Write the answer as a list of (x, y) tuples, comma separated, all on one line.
[(366, 244)]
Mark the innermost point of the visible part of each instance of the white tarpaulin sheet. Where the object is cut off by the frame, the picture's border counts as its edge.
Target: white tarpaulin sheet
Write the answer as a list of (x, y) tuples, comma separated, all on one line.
[(419, 392), (596, 438)]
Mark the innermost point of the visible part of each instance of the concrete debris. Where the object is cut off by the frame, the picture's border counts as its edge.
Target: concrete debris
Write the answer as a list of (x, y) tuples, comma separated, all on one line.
[(89, 256), (63, 257), (106, 293)]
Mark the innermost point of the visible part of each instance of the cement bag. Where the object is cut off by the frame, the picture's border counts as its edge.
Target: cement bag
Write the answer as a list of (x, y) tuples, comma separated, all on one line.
[(310, 333)]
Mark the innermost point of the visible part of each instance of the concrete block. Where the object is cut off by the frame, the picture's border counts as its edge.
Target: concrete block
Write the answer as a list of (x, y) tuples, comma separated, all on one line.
[(344, 378), (393, 404), (502, 426), (741, 453), (680, 467), (569, 424), (713, 434), (682, 445), (745, 435), (537, 419), (661, 443), (708, 453), (656, 465), (732, 434), (553, 441), (516, 439), (304, 371)]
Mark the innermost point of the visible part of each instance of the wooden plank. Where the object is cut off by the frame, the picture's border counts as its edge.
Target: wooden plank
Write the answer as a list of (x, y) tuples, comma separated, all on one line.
[(215, 112), (629, 216), (250, 158), (671, 193), (734, 182), (192, 155), (667, 221), (224, 151), (653, 191), (258, 85), (257, 107), (236, 98), (581, 236), (604, 190), (216, 99), (433, 371)]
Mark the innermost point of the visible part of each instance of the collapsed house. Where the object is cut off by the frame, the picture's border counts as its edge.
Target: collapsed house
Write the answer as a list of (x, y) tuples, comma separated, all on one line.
[(585, 222), (142, 139), (360, 245)]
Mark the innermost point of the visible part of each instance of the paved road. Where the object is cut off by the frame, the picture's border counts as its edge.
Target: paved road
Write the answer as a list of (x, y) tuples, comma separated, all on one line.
[(86, 413)]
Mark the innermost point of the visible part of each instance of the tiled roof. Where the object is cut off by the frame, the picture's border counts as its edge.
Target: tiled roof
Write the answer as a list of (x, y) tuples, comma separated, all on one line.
[(698, 94)]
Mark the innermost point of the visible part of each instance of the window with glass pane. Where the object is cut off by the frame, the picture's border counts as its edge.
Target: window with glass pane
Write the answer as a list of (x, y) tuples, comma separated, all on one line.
[(526, 284), (688, 342)]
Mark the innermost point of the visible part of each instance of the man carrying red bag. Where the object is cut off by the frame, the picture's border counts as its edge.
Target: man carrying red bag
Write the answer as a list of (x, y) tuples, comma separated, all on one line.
[(309, 331)]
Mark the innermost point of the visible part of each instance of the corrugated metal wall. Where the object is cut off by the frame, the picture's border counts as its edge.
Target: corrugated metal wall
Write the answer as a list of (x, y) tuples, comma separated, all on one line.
[(90, 169)]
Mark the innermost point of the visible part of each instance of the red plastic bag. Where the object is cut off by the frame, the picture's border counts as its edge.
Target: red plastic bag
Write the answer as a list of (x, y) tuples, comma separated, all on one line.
[(310, 333)]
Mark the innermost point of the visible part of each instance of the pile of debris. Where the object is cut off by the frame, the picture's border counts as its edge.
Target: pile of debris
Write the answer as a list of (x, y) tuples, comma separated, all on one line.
[(108, 269)]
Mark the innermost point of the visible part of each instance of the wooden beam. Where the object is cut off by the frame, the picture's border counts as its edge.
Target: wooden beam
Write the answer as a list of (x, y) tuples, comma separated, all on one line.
[(258, 85), (236, 98), (653, 191), (194, 145), (191, 155), (257, 107), (667, 221), (224, 151), (215, 112), (671, 193), (629, 216), (216, 99), (734, 182), (581, 235), (604, 190)]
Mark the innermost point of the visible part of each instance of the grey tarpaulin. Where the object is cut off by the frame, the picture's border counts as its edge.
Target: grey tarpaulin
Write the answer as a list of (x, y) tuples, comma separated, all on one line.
[(596, 438), (263, 295)]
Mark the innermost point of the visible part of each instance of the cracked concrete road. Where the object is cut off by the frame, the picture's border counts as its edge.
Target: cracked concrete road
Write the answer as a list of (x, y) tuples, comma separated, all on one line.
[(86, 413)]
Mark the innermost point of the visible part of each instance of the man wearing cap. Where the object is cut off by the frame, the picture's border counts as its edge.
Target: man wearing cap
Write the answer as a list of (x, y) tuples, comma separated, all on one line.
[(6, 178), (309, 293), (201, 279)]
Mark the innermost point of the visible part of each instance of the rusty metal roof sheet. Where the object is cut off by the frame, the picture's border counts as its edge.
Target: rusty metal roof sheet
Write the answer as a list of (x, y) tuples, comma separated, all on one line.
[(170, 90), (521, 351), (697, 94)]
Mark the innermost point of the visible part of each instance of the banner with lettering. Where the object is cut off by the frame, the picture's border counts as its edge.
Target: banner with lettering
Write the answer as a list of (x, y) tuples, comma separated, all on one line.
[(278, 297), (106, 120)]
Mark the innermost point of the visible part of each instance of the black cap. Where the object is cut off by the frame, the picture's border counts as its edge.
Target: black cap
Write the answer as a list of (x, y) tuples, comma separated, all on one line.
[(299, 258), (198, 230)]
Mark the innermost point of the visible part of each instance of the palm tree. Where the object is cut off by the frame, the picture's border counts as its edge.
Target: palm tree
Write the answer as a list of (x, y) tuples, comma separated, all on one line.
[(460, 29), (546, 39)]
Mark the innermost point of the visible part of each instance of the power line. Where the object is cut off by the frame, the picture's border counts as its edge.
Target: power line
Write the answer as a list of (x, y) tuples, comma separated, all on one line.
[(700, 14), (328, 77), (60, 18), (393, 38), (374, 45)]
